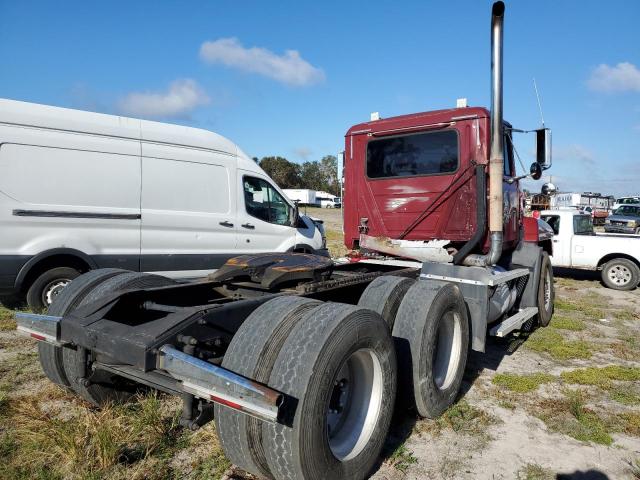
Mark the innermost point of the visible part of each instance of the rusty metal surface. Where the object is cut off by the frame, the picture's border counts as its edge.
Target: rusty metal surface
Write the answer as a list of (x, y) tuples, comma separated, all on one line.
[(271, 270)]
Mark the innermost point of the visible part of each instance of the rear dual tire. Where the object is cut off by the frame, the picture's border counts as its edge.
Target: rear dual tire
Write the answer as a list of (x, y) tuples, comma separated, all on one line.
[(431, 334), (69, 366), (337, 362)]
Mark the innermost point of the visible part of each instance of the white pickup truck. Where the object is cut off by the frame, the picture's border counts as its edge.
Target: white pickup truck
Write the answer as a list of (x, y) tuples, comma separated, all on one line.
[(576, 245)]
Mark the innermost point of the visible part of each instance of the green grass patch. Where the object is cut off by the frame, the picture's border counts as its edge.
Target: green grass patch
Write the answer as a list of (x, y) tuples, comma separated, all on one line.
[(564, 304), (551, 342), (7, 321), (521, 383), (533, 471), (624, 315), (571, 417), (624, 395), (463, 417), (402, 458), (603, 376), (567, 323)]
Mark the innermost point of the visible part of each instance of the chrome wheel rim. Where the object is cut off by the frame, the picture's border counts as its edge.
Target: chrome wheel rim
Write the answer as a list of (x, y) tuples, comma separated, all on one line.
[(619, 275), (446, 355), (53, 289), (354, 405)]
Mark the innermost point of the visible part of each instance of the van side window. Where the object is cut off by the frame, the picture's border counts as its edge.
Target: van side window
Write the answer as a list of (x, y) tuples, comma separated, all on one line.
[(412, 155), (263, 201)]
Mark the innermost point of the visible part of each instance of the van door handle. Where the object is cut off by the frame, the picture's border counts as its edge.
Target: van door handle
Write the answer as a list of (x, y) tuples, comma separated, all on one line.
[(248, 225), (226, 223)]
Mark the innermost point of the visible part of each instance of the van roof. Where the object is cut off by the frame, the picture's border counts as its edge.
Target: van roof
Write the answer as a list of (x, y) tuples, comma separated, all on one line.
[(67, 119)]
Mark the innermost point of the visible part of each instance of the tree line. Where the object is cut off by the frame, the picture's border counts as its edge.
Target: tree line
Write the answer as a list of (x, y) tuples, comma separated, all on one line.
[(316, 175)]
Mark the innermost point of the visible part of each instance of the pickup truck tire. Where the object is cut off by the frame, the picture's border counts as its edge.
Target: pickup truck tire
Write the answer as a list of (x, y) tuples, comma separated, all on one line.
[(620, 274), (384, 295), (104, 387), (431, 335), (339, 364), (546, 292), (51, 356), (48, 285), (252, 353)]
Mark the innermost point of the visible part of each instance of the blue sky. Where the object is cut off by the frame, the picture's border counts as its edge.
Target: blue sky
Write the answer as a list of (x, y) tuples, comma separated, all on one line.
[(289, 78)]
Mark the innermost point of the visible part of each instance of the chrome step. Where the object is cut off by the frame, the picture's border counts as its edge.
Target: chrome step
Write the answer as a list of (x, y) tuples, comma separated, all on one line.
[(513, 322)]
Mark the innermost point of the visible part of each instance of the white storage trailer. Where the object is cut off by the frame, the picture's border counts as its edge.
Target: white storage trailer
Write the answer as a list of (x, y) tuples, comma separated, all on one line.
[(303, 196)]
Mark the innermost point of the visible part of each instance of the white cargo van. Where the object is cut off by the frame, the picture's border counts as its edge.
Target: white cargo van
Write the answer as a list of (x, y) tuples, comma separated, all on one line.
[(81, 190)]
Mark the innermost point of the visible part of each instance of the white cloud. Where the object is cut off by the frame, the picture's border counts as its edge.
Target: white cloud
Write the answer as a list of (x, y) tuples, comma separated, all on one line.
[(624, 77), (303, 152), (289, 68), (181, 98), (576, 153)]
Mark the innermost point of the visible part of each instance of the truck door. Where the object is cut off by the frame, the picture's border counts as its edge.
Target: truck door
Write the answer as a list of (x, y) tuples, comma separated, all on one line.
[(511, 195), (263, 216), (188, 211), (562, 232)]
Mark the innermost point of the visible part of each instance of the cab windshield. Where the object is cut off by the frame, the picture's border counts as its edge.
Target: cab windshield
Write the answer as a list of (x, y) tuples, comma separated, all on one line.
[(628, 211)]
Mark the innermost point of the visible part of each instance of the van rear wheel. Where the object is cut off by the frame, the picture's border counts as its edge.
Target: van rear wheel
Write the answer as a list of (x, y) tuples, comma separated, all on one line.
[(48, 285), (51, 356)]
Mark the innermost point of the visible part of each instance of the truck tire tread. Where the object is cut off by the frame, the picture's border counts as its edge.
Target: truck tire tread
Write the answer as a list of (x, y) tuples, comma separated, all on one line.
[(384, 295), (415, 334), (309, 359), (102, 388), (252, 353)]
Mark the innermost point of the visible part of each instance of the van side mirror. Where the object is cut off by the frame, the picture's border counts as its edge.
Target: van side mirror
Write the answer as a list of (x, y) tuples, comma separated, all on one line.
[(295, 215), (535, 171), (543, 148)]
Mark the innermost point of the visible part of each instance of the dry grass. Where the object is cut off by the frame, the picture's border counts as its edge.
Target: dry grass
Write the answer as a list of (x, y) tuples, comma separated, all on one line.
[(134, 440), (6, 319)]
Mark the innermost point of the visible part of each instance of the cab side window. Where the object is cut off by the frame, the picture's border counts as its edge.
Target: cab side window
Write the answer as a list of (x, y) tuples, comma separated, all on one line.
[(553, 221), (508, 156), (263, 201)]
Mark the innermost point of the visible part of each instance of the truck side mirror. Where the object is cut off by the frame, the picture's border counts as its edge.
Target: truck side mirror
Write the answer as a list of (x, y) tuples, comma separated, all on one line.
[(543, 148), (535, 171)]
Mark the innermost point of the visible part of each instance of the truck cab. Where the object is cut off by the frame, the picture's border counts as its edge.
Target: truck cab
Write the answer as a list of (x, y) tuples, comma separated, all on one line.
[(419, 170)]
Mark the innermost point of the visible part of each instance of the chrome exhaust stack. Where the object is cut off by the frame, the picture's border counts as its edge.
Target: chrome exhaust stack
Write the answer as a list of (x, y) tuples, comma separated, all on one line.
[(496, 157)]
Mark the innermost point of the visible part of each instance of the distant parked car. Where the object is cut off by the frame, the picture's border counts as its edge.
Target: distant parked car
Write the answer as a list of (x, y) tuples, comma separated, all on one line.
[(330, 203), (626, 201), (625, 219)]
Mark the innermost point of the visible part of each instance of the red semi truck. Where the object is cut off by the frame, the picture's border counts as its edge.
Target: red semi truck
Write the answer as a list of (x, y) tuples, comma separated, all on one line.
[(297, 358)]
